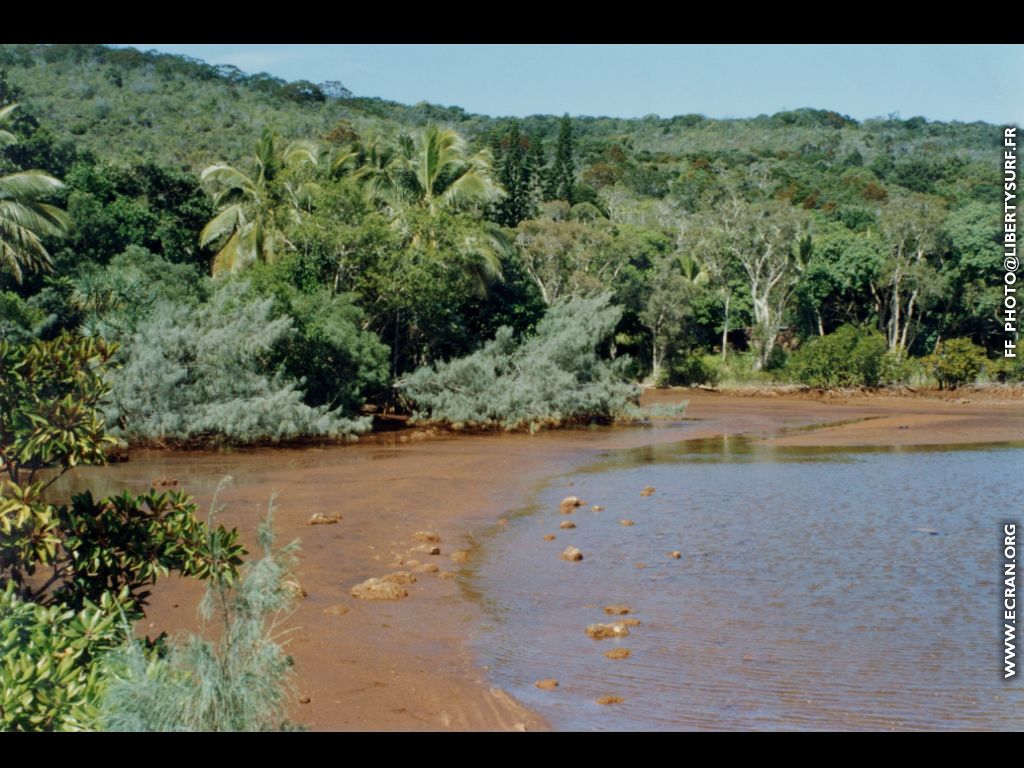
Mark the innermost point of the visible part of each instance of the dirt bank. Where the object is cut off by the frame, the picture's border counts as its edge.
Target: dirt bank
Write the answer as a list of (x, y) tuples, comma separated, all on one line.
[(404, 664)]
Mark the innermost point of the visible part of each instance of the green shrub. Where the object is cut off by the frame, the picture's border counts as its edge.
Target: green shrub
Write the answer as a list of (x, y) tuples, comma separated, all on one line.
[(51, 676), (847, 357), (687, 369), (240, 682), (556, 376), (898, 368), (1005, 370), (737, 369), (73, 575), (956, 362), (199, 373), (18, 319)]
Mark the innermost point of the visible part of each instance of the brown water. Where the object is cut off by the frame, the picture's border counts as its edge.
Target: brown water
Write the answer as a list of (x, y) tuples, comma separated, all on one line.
[(818, 589)]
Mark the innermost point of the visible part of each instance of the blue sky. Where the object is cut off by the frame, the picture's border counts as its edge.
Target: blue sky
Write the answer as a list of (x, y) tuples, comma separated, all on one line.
[(940, 82)]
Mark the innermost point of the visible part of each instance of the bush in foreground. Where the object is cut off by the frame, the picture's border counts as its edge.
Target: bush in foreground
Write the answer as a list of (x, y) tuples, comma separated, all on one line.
[(557, 376), (73, 575), (240, 682)]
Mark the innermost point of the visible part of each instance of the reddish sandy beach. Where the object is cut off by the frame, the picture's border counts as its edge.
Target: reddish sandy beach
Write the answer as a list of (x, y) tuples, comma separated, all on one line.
[(405, 664)]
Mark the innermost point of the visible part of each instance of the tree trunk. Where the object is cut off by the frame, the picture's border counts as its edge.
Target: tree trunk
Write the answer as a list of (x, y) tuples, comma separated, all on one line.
[(656, 359), (725, 326)]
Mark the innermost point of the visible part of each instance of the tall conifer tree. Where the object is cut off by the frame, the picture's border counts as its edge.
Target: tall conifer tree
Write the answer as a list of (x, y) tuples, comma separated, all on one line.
[(562, 176)]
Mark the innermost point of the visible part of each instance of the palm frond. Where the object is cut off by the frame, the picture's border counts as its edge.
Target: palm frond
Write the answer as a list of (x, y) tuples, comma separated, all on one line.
[(28, 185), (301, 153), (223, 178), (223, 224)]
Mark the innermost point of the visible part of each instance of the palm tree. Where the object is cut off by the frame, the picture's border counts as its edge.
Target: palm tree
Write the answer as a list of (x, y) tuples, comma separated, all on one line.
[(245, 230), (431, 178), (376, 165), (439, 173), (24, 218)]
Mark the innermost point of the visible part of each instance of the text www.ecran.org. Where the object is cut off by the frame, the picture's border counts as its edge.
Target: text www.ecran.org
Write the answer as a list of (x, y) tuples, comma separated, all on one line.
[(1009, 598)]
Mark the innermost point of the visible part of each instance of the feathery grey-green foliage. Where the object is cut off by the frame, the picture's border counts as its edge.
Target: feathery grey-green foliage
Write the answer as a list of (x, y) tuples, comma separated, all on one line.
[(114, 299), (195, 371), (240, 682), (555, 376)]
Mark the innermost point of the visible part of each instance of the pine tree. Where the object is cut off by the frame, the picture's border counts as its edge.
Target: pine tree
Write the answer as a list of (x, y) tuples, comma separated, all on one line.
[(563, 170), (518, 176)]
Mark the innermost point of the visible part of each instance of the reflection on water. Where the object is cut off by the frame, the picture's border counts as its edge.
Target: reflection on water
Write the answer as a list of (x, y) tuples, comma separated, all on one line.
[(854, 589)]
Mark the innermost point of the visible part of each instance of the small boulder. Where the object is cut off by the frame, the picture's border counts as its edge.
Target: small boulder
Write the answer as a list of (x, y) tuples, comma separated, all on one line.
[(378, 589), (675, 554), (597, 508), (549, 537), (321, 519), (626, 522), (647, 491), (569, 503), (617, 653), (572, 554), (296, 589), (567, 524), (604, 631), (617, 610), (547, 684), (610, 700)]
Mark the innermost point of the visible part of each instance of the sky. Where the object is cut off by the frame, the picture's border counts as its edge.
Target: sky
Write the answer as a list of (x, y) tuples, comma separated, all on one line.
[(939, 82)]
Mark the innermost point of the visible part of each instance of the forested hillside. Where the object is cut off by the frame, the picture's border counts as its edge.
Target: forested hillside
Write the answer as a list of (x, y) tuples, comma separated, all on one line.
[(270, 255)]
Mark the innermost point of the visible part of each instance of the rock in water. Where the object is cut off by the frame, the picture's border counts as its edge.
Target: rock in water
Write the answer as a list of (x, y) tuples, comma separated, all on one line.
[(604, 631), (676, 554), (617, 653), (378, 589), (647, 491), (572, 554), (549, 537), (617, 610), (626, 522), (597, 508), (569, 503), (610, 700), (567, 524), (547, 684)]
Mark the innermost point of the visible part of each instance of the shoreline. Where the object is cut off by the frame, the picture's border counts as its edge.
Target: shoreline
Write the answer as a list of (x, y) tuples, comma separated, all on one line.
[(407, 664)]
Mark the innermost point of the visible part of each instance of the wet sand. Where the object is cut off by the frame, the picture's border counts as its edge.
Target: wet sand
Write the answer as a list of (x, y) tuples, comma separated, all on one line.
[(406, 664)]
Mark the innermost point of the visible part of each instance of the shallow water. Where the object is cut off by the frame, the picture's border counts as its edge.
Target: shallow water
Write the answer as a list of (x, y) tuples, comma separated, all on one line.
[(807, 597)]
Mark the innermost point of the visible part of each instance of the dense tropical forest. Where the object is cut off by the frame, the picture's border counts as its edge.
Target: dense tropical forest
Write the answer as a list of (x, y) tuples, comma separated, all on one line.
[(275, 259)]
